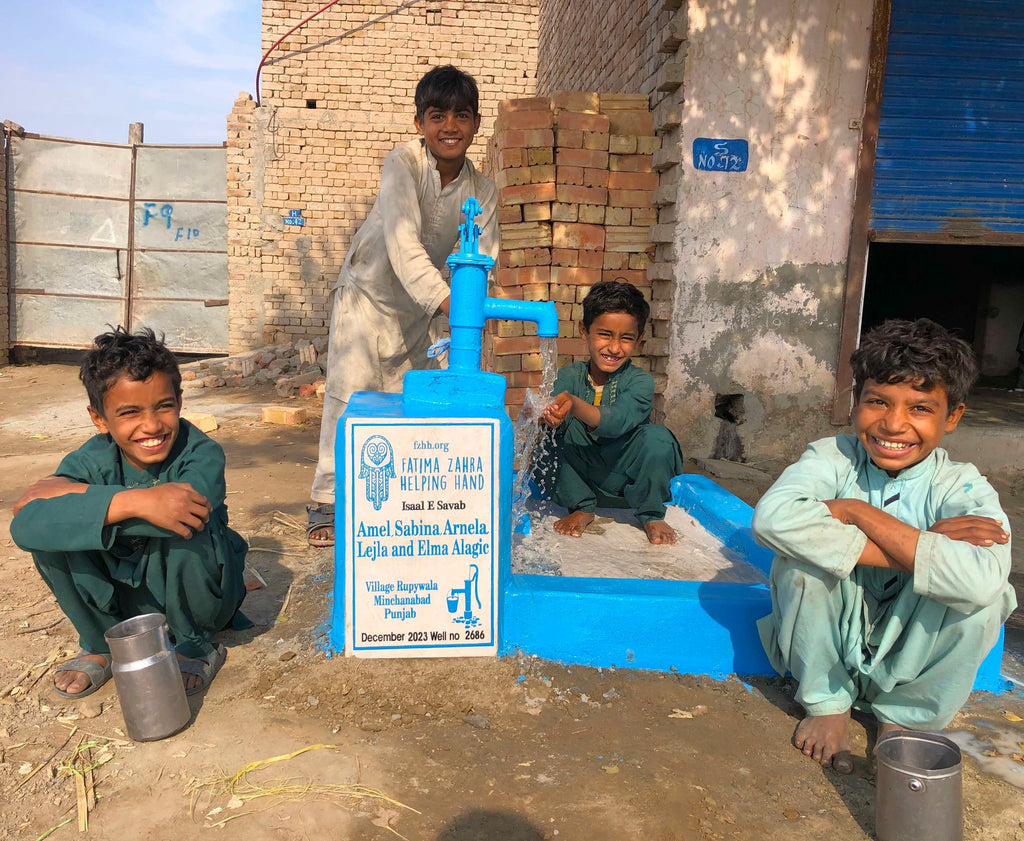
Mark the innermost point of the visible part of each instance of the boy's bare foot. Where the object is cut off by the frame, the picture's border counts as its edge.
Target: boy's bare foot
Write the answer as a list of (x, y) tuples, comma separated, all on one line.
[(660, 532), (575, 524), (826, 739), (72, 683)]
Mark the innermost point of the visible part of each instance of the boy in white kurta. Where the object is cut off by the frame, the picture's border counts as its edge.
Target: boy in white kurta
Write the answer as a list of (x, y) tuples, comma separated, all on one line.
[(889, 585), (391, 298)]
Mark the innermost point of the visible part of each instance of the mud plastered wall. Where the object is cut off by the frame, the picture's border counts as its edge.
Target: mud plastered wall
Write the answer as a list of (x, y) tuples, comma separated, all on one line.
[(336, 97), (760, 253)]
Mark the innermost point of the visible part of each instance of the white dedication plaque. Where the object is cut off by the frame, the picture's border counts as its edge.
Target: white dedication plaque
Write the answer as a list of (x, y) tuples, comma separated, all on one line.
[(421, 551)]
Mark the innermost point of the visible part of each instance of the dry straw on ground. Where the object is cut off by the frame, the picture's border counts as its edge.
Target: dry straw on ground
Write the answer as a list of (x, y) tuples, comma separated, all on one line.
[(241, 788)]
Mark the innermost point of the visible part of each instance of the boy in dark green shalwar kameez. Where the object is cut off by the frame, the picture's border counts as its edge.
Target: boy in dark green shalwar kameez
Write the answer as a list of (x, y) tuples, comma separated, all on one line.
[(134, 520), (605, 444)]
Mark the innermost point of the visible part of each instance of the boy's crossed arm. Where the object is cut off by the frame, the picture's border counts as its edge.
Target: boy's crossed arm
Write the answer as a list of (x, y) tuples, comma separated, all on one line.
[(892, 544), (174, 506), (961, 559), (47, 488)]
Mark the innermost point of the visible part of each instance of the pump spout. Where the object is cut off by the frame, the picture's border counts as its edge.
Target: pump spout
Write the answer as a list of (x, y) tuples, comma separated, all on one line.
[(463, 387), (543, 313), (470, 306)]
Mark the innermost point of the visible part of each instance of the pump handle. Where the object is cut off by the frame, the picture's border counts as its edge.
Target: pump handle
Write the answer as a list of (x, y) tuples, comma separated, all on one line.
[(475, 581), (469, 231)]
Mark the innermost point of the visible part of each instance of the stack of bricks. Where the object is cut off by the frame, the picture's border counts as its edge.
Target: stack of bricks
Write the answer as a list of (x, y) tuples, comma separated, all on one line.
[(575, 185)]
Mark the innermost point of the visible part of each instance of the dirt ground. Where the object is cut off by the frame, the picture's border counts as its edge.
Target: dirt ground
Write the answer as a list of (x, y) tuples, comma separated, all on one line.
[(457, 749)]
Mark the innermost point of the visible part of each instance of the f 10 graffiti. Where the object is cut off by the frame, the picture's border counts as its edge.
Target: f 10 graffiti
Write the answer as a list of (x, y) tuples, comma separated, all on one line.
[(166, 213)]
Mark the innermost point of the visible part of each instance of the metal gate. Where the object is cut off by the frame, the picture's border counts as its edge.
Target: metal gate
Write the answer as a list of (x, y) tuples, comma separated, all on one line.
[(950, 158), (104, 234)]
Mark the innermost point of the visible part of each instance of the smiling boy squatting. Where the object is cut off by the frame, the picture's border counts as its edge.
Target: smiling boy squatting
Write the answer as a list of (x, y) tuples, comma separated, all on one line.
[(134, 521), (889, 584)]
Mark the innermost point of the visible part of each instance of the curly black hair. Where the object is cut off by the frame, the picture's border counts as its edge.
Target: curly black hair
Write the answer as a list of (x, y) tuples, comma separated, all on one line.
[(616, 296), (119, 353), (446, 88), (920, 352)]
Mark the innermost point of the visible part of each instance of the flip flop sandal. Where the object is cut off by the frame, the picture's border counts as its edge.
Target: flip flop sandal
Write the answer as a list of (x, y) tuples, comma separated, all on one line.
[(97, 674), (320, 518), (205, 668)]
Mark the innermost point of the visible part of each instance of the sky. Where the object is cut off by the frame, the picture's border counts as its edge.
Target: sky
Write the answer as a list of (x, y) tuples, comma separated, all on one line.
[(87, 69)]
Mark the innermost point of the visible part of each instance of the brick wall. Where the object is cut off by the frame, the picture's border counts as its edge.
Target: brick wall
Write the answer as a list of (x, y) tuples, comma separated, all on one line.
[(575, 188), (5, 323), (610, 47), (642, 51), (245, 179), (337, 96)]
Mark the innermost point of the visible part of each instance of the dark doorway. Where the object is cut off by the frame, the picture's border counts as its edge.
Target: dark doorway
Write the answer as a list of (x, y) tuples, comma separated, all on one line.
[(975, 290)]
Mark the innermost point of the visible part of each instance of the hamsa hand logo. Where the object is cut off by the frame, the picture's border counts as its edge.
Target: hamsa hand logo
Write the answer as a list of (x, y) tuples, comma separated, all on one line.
[(376, 466)]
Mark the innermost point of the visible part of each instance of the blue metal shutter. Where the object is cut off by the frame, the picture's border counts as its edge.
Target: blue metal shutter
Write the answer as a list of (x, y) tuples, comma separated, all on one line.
[(951, 130)]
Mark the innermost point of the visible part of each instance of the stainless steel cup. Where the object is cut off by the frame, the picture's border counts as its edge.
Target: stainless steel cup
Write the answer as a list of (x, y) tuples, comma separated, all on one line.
[(147, 677), (919, 794)]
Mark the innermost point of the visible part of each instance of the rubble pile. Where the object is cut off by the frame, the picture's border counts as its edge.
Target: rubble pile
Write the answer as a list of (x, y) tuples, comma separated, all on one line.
[(294, 368)]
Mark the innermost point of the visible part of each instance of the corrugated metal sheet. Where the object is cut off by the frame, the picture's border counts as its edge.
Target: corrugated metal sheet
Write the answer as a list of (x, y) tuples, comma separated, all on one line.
[(64, 166), (181, 172), (951, 133), (71, 220), (63, 320), (91, 247)]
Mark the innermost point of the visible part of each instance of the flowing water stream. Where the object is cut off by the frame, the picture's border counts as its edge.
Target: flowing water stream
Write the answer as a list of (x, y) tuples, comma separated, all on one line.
[(529, 434)]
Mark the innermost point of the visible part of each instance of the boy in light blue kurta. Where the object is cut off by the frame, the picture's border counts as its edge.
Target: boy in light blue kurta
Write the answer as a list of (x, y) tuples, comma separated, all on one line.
[(889, 584)]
